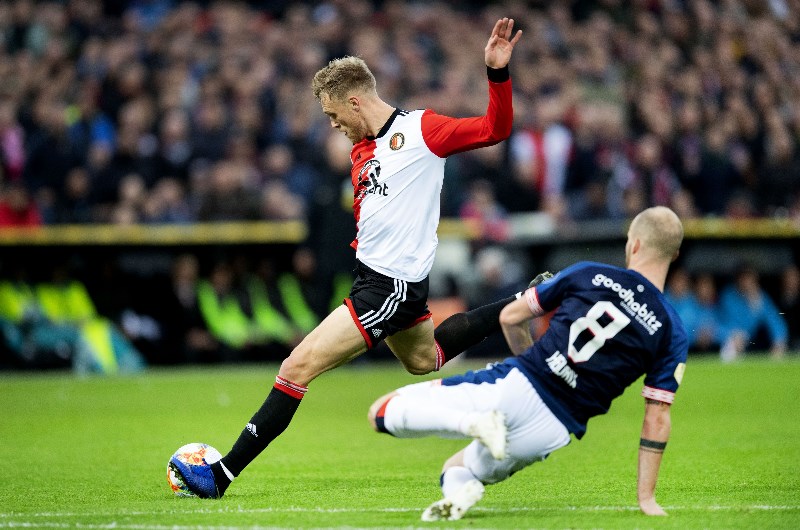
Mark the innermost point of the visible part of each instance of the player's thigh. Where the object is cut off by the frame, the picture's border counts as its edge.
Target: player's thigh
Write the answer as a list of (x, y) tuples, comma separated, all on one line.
[(335, 341), (415, 346), (533, 432)]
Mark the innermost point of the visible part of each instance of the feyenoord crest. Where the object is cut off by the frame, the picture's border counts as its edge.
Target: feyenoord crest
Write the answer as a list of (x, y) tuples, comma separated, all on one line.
[(396, 142)]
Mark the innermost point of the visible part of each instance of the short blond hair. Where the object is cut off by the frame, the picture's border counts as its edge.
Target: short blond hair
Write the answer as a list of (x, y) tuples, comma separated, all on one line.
[(342, 77), (660, 230)]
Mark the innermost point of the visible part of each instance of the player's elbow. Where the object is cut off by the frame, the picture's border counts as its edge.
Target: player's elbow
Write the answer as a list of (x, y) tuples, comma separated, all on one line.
[(505, 132), (511, 316), (657, 420), (499, 133), (659, 424), (506, 317)]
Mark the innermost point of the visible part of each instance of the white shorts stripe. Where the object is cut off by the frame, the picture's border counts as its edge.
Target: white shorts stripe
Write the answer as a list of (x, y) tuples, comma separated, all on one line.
[(371, 316), (389, 306)]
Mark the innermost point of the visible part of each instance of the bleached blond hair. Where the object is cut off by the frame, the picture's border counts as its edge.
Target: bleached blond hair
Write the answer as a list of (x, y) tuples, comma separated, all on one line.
[(342, 77)]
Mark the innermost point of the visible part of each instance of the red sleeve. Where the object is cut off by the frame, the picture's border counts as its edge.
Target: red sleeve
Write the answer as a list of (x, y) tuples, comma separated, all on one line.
[(445, 136)]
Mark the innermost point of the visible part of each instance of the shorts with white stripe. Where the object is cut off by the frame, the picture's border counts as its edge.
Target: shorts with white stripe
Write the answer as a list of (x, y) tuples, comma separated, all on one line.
[(381, 306)]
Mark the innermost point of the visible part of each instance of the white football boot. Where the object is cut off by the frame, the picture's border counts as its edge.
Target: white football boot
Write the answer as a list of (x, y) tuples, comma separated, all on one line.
[(454, 507), (489, 428)]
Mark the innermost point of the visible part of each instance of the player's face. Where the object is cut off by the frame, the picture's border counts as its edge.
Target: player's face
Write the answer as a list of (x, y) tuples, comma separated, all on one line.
[(344, 118)]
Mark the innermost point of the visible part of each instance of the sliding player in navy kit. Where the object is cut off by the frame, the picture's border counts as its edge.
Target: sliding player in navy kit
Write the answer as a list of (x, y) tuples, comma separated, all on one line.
[(611, 326)]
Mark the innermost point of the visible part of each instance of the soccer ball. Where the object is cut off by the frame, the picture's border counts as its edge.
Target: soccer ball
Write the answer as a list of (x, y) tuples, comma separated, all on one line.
[(193, 454)]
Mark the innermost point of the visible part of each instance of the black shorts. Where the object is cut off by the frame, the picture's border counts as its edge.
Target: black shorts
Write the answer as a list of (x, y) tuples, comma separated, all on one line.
[(381, 306)]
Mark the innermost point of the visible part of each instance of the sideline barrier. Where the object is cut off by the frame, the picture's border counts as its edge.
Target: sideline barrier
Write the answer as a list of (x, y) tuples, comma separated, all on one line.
[(245, 232), (532, 228)]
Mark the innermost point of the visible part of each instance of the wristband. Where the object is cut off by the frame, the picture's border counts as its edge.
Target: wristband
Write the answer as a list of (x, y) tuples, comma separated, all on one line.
[(498, 75)]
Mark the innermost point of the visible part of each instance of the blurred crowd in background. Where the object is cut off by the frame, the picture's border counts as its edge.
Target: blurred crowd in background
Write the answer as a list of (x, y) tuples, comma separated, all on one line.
[(160, 111), (171, 112)]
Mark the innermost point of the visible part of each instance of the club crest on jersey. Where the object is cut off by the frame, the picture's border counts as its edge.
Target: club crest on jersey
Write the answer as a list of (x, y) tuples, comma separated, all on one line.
[(397, 141), (368, 180)]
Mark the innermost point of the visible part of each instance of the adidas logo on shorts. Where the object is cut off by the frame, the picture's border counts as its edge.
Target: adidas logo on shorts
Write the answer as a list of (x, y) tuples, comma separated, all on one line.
[(375, 332)]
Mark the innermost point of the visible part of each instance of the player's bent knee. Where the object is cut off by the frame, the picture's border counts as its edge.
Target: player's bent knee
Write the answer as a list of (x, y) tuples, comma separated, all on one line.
[(419, 366), (297, 367), (418, 370)]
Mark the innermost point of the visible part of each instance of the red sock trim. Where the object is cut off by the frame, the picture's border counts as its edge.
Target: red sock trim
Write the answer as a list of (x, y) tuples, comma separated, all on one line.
[(382, 410), (379, 417), (292, 389), (440, 358)]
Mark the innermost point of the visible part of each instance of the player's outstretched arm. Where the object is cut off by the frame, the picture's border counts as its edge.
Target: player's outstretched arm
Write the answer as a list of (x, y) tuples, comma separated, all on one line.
[(446, 136), (655, 433), (498, 50)]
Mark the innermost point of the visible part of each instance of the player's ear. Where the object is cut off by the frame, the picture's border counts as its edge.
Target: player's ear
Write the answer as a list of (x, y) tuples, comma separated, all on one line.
[(354, 103), (675, 256)]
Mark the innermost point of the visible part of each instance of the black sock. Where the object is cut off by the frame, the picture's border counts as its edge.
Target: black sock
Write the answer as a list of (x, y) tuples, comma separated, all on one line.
[(266, 424), (462, 330)]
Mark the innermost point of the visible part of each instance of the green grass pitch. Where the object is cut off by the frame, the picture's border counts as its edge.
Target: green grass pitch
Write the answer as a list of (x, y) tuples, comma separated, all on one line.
[(92, 453)]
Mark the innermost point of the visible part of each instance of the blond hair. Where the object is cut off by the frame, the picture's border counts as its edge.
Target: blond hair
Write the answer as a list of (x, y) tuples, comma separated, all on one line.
[(660, 231), (342, 77)]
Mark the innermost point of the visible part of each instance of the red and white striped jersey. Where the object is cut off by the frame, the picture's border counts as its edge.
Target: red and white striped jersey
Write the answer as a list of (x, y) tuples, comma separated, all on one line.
[(397, 181)]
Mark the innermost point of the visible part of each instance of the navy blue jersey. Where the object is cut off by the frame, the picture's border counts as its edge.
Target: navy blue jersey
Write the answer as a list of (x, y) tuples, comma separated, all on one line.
[(611, 327)]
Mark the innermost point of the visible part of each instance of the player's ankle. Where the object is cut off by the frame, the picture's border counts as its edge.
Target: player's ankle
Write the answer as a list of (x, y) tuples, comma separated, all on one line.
[(221, 477)]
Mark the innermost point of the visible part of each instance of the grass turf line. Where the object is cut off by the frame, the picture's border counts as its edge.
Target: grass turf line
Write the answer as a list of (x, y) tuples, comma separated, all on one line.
[(93, 452)]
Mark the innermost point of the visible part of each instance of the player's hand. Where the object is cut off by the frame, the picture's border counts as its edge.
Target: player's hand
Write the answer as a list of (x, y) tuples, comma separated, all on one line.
[(498, 49), (651, 507)]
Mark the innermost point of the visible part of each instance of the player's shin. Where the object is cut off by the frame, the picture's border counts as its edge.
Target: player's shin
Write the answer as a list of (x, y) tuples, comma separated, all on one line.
[(462, 330), (266, 424)]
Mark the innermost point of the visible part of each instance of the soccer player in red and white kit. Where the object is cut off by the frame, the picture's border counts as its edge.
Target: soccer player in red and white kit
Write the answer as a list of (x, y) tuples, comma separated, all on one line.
[(398, 162)]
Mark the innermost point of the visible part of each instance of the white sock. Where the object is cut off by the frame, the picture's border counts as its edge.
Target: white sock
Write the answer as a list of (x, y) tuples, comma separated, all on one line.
[(453, 478), (406, 417)]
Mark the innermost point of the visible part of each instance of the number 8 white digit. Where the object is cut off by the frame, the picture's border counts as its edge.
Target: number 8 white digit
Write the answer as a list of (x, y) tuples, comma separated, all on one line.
[(601, 333)]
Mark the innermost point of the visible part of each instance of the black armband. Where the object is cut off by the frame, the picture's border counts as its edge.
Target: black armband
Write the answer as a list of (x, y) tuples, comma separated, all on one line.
[(652, 445), (498, 75)]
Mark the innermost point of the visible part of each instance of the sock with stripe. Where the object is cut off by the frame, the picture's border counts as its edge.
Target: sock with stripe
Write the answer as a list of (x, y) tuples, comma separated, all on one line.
[(266, 424), (462, 330)]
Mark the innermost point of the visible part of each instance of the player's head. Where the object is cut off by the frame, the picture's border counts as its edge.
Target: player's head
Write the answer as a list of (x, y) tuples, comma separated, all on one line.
[(341, 88), (655, 234)]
